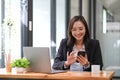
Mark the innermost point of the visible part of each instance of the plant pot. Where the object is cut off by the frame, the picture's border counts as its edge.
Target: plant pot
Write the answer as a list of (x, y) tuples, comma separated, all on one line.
[(20, 69)]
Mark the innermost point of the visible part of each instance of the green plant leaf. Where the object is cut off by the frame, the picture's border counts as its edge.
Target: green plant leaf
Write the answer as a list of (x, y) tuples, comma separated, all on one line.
[(22, 62)]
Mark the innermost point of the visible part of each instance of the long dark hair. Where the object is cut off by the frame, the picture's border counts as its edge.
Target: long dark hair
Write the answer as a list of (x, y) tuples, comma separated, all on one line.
[(71, 39)]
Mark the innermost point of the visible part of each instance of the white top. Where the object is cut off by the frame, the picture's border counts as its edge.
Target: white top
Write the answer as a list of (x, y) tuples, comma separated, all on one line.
[(77, 66)]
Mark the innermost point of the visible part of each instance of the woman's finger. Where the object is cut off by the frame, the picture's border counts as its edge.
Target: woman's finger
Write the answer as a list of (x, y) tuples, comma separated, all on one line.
[(67, 53), (72, 53), (86, 56)]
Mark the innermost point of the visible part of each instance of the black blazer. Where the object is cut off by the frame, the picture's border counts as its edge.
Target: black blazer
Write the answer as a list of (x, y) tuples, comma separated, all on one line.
[(93, 53)]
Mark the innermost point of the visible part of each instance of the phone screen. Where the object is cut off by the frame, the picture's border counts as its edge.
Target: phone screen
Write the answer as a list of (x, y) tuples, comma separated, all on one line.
[(81, 53)]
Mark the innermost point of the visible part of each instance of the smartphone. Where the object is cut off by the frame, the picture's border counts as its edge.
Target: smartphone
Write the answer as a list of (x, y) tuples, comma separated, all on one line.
[(81, 53)]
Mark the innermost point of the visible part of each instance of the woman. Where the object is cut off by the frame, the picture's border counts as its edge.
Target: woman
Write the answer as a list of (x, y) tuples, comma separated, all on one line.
[(78, 39)]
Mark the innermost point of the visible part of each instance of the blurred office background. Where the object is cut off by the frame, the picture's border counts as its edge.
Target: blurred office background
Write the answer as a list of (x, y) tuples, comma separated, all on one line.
[(43, 23)]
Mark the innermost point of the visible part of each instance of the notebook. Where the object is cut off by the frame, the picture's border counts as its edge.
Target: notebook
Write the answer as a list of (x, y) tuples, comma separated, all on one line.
[(39, 58)]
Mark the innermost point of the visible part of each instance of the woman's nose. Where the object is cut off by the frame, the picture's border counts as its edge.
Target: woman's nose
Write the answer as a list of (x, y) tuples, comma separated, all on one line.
[(78, 31)]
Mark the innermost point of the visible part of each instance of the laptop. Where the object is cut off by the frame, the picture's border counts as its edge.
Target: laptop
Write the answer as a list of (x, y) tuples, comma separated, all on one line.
[(39, 58)]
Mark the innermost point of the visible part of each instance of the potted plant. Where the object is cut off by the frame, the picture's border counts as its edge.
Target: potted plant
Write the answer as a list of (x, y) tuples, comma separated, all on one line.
[(21, 65)]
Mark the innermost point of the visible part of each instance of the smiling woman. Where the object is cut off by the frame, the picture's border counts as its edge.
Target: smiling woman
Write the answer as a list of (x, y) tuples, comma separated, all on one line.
[(78, 39), (78, 30)]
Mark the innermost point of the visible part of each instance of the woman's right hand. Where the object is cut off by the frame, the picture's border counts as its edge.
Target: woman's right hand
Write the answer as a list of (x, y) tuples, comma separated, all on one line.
[(71, 58)]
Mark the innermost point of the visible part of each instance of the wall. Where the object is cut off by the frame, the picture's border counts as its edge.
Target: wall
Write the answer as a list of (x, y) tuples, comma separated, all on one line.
[(108, 42), (60, 22), (85, 9), (41, 23), (74, 8), (116, 17)]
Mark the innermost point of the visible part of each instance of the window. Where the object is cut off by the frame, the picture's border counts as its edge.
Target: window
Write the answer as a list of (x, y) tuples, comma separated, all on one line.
[(10, 29)]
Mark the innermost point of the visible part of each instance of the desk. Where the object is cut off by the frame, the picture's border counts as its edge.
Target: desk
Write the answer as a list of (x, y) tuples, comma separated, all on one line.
[(103, 75)]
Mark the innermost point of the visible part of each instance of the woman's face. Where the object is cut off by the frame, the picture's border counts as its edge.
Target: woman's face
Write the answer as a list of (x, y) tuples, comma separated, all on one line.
[(78, 30)]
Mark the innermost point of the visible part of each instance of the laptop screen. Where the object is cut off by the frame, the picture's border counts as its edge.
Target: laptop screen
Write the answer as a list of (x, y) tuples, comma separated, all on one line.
[(39, 58)]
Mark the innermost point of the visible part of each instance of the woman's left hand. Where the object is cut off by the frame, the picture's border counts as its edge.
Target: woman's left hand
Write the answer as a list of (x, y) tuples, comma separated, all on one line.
[(83, 60)]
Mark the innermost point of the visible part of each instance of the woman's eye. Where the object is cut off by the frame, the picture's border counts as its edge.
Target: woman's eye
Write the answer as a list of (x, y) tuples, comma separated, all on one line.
[(73, 29), (81, 29)]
